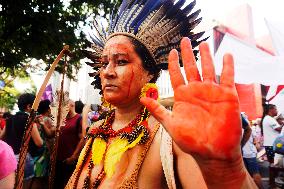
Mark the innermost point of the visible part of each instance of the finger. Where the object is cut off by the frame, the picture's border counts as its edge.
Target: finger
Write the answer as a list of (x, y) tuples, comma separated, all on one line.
[(188, 59), (174, 70), (157, 110), (227, 76), (208, 70)]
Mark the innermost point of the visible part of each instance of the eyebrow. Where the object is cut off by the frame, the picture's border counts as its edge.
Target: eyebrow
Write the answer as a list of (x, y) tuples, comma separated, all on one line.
[(115, 55)]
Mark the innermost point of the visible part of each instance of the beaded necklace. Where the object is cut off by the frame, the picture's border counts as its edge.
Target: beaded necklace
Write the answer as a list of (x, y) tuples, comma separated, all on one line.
[(136, 130), (130, 132)]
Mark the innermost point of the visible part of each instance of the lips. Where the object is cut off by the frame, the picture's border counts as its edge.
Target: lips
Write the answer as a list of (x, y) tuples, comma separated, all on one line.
[(110, 87)]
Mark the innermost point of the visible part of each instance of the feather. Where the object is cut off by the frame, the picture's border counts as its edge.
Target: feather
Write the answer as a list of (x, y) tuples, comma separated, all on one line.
[(174, 10), (196, 36), (194, 23), (149, 7), (139, 21), (115, 151), (179, 4), (151, 20), (96, 40), (189, 7), (127, 26), (194, 15), (111, 19), (99, 30), (98, 150), (135, 10), (158, 24), (123, 6)]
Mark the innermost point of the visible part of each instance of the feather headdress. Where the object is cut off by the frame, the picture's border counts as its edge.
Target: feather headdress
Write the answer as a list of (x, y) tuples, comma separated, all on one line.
[(158, 24)]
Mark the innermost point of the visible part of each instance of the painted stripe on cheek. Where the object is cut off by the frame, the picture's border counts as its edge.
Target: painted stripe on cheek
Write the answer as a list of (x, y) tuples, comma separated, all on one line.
[(130, 82)]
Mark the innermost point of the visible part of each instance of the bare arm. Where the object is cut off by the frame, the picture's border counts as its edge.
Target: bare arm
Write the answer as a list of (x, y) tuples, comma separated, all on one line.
[(8, 182), (188, 172), (85, 124), (246, 136), (48, 128), (36, 136), (2, 132)]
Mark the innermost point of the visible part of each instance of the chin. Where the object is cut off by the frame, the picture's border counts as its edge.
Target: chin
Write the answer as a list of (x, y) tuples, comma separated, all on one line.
[(114, 100)]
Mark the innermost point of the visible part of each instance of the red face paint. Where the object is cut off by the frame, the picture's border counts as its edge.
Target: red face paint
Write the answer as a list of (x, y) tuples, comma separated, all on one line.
[(130, 82), (123, 75)]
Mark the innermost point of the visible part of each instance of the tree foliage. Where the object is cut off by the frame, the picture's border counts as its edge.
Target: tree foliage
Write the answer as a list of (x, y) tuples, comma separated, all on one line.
[(9, 93), (40, 28)]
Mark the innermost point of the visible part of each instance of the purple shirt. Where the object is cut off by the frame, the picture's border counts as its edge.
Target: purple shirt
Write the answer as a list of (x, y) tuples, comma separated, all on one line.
[(8, 162)]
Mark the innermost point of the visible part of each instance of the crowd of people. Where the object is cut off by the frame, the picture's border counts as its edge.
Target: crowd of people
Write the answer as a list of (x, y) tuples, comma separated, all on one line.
[(41, 145)]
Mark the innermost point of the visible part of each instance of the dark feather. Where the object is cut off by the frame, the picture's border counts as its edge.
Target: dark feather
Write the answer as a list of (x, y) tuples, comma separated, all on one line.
[(189, 7), (149, 6), (194, 15)]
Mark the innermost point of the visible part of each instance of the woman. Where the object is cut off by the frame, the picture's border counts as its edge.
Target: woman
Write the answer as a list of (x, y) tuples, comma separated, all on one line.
[(122, 151), (42, 155), (14, 131)]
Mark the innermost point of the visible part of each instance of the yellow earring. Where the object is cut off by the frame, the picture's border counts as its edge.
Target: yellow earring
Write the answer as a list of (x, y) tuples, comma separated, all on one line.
[(150, 90)]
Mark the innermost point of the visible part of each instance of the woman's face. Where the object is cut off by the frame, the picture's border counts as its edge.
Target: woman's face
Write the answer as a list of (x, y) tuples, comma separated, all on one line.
[(122, 74)]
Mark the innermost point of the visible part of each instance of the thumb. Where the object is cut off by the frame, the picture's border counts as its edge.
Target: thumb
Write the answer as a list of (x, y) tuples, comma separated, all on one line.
[(159, 112)]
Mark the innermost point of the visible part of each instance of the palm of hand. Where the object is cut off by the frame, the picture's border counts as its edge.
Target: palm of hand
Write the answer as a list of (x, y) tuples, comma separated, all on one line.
[(205, 120)]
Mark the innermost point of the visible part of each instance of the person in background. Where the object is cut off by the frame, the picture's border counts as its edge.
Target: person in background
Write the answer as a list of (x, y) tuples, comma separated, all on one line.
[(79, 105), (42, 157), (270, 129), (45, 121), (70, 145), (8, 166), (258, 140), (14, 131), (249, 154), (246, 129), (278, 158), (91, 114)]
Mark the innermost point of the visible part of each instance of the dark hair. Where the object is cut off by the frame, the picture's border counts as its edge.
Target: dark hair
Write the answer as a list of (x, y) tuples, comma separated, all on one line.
[(24, 100), (148, 62), (79, 106), (7, 115), (43, 106), (266, 108)]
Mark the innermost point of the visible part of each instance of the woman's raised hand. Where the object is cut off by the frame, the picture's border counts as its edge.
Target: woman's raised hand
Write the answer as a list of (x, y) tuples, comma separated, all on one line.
[(205, 120)]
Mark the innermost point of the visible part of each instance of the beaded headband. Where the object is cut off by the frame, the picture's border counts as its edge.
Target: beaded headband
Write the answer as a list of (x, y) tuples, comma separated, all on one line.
[(157, 24)]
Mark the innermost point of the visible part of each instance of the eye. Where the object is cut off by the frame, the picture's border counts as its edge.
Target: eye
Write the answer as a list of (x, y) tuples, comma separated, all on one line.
[(104, 64), (122, 62)]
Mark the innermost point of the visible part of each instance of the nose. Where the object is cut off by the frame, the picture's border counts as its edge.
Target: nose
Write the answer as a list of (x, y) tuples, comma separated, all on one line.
[(109, 71)]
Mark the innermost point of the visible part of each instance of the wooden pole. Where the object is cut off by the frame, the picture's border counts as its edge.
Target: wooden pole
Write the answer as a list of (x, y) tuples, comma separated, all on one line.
[(29, 125)]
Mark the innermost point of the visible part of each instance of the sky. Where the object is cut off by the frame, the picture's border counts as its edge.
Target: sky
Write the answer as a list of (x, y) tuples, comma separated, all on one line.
[(271, 10)]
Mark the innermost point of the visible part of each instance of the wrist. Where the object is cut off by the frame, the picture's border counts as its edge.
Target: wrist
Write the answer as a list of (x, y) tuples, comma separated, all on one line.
[(223, 173)]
